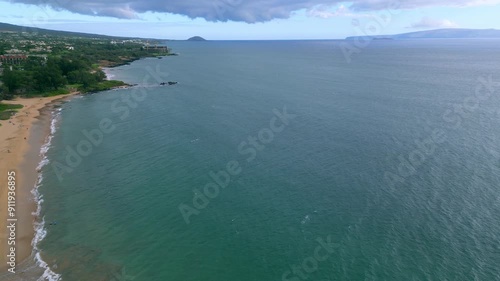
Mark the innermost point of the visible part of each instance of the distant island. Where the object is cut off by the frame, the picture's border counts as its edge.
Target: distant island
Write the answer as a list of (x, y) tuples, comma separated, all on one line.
[(196, 38), (438, 33)]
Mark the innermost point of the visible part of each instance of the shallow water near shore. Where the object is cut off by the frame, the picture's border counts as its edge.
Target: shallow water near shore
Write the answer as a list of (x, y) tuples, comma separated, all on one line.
[(37, 140), (121, 163)]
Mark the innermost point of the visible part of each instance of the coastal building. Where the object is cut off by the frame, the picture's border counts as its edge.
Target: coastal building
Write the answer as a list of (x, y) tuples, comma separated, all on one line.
[(156, 49), (13, 59), (14, 51)]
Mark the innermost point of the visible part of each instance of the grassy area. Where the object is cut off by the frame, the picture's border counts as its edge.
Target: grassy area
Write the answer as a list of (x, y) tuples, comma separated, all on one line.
[(6, 110), (73, 87), (56, 93)]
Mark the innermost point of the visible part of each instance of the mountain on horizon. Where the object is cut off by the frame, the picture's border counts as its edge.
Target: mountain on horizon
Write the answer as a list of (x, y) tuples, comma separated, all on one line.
[(6, 27), (437, 33), (197, 38)]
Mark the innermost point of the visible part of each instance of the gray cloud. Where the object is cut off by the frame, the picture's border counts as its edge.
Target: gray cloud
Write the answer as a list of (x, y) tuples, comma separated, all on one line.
[(250, 11)]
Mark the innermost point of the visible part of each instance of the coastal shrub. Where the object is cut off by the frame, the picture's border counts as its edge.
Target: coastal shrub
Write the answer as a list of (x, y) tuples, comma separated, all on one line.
[(5, 94), (102, 86), (6, 110), (57, 92)]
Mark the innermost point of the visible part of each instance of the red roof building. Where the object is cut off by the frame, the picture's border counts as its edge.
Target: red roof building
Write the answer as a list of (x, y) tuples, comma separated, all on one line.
[(13, 59)]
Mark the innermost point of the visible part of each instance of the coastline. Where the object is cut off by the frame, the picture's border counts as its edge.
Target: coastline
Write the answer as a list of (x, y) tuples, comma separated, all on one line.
[(21, 139)]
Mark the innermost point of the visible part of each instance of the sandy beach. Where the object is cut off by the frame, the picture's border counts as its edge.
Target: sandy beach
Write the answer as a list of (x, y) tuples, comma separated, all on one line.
[(19, 153)]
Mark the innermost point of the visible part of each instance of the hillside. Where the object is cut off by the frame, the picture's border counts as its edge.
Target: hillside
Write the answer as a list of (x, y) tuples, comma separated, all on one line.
[(5, 27), (439, 33)]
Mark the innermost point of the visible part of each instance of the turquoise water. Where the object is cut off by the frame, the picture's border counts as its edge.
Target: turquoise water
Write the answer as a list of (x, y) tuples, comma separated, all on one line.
[(331, 172)]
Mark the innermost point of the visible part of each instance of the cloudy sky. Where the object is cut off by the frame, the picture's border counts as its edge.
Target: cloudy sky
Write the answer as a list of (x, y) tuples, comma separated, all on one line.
[(250, 19)]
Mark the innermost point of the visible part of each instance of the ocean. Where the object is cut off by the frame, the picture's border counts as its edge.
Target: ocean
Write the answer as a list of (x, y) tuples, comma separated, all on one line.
[(281, 160)]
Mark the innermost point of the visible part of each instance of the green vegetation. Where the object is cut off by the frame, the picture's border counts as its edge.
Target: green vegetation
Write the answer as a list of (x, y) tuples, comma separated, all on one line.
[(40, 77), (6, 110), (103, 86), (57, 92), (52, 63)]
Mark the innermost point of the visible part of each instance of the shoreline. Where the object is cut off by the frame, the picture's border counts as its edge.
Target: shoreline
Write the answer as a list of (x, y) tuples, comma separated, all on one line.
[(21, 140), (22, 137)]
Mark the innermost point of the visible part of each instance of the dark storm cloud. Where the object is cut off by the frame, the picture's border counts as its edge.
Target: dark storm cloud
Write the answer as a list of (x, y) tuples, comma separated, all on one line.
[(236, 10)]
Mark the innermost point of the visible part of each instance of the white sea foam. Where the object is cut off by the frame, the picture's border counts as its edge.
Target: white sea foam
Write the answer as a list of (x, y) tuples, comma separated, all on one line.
[(47, 274), (109, 75), (306, 219), (39, 225)]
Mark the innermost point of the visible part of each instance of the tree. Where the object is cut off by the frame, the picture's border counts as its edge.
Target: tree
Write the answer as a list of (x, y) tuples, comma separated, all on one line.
[(82, 77), (100, 75), (4, 47), (33, 62), (5, 94), (12, 80), (48, 77)]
